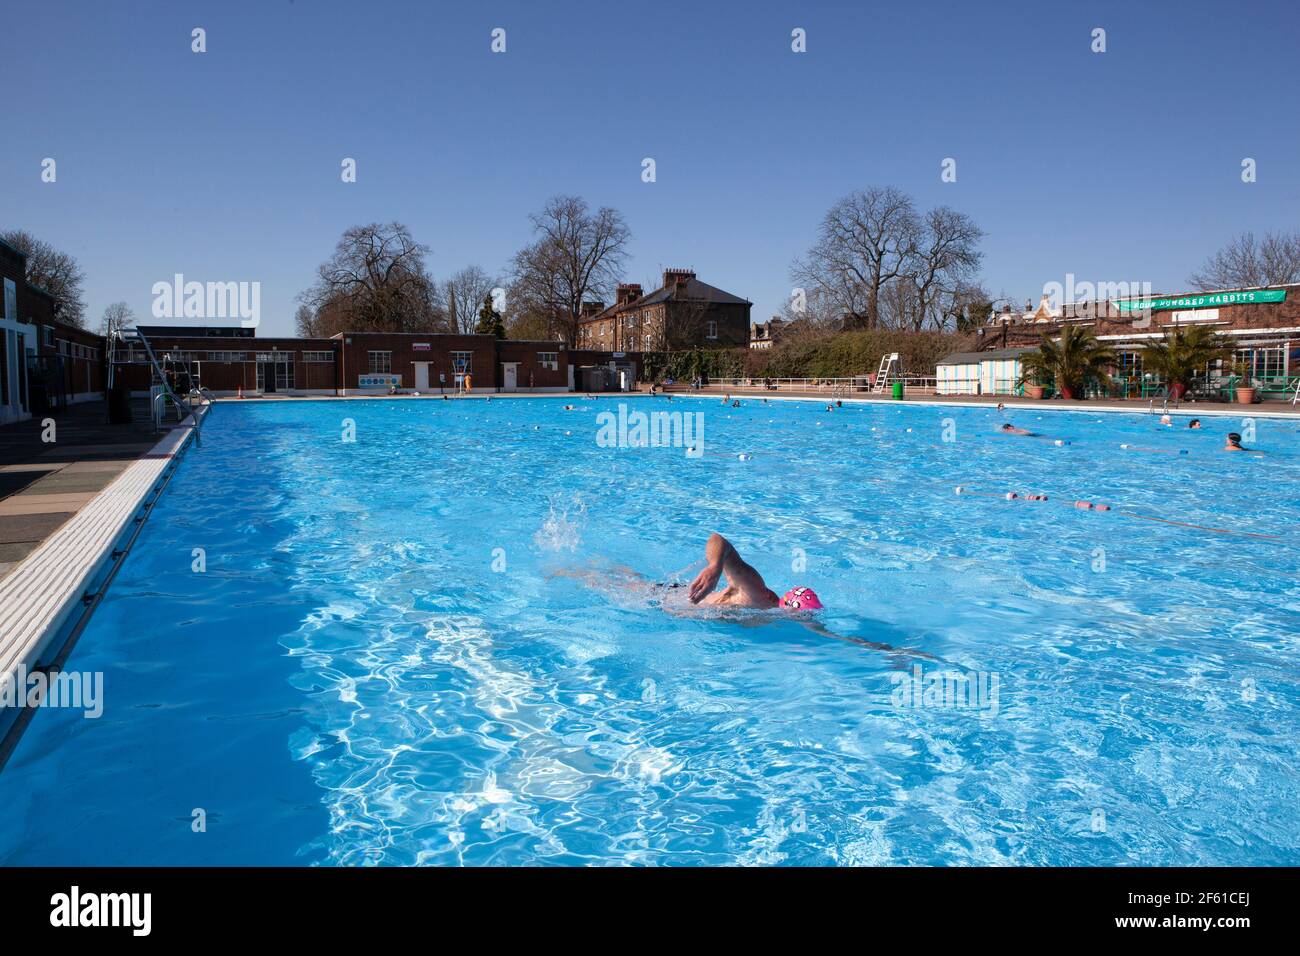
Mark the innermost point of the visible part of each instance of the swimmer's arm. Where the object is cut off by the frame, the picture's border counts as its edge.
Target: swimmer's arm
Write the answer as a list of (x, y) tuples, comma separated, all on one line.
[(817, 628), (721, 558)]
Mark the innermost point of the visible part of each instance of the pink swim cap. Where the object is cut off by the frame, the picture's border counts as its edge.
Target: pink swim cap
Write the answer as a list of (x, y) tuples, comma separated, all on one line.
[(801, 599)]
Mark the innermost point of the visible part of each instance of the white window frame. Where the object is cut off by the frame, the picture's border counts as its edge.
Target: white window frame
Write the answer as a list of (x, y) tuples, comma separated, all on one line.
[(382, 357), (711, 329)]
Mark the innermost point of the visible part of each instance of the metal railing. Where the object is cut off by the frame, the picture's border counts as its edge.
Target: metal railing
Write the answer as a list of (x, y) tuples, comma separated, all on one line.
[(833, 386)]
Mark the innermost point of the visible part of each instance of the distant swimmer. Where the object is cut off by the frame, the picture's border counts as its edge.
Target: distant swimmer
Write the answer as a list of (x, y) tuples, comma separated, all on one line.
[(1010, 429), (1194, 423)]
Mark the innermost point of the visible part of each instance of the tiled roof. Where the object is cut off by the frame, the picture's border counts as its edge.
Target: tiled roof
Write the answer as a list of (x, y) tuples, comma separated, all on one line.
[(694, 291)]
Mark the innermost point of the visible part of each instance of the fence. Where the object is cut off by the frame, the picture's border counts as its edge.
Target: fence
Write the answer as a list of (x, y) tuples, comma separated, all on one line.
[(859, 384)]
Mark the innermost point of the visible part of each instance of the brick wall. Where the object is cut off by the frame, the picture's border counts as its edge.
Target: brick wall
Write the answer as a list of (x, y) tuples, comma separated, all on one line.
[(227, 364), (80, 352), (531, 373), (357, 347)]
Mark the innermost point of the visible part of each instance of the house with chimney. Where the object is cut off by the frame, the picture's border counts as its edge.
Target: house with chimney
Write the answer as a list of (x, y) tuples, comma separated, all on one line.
[(682, 313)]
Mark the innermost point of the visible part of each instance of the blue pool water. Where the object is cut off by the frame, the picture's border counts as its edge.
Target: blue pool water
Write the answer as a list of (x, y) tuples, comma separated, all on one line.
[(393, 656)]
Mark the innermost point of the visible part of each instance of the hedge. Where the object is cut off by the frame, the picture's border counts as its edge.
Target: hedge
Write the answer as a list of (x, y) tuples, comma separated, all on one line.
[(838, 355)]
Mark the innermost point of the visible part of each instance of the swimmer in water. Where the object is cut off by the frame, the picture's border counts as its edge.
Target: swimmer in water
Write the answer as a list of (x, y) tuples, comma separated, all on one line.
[(745, 586), (1010, 429), (1166, 420), (745, 589), (1233, 443), (1194, 423)]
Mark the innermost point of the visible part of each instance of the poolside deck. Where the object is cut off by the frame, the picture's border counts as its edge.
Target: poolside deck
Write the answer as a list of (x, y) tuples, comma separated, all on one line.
[(43, 484)]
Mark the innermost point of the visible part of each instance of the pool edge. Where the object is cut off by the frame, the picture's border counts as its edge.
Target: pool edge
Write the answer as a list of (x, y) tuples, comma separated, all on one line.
[(40, 596)]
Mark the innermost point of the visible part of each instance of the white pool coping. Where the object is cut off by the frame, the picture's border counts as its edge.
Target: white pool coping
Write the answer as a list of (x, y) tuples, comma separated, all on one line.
[(43, 590), (1187, 409)]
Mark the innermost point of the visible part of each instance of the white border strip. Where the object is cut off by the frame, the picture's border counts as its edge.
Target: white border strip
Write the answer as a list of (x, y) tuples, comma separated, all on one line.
[(37, 596), (1186, 409)]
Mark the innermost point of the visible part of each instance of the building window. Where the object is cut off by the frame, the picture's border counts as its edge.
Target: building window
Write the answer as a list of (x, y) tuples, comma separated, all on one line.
[(381, 363), (319, 356), (225, 356), (550, 360), (462, 361), (49, 336), (1262, 362), (712, 328)]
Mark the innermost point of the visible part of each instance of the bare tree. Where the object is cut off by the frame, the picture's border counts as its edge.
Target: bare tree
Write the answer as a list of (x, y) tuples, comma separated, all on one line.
[(304, 319), (56, 272), (534, 326), (945, 261), (462, 295), (815, 311), (877, 264), (1246, 263), (865, 241), (577, 255), (375, 281), (968, 307), (116, 317)]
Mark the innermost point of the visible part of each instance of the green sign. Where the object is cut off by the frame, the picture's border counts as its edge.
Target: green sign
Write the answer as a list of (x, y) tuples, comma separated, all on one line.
[(1209, 300)]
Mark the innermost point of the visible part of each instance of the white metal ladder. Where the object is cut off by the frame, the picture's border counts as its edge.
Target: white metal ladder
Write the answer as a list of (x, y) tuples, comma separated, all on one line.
[(132, 335), (882, 374)]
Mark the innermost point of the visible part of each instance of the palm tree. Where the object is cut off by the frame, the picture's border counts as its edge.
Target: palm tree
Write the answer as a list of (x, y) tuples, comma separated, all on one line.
[(1183, 354), (1072, 361)]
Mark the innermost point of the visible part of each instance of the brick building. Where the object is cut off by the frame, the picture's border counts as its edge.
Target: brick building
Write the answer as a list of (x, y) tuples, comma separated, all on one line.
[(351, 363), (1262, 324), (70, 366), (44, 363), (682, 313)]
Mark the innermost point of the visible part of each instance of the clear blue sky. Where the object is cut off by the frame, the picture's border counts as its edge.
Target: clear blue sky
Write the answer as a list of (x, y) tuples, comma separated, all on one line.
[(1123, 166)]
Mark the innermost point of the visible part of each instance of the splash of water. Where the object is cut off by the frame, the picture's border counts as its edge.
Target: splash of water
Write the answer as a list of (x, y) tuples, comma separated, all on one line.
[(561, 530)]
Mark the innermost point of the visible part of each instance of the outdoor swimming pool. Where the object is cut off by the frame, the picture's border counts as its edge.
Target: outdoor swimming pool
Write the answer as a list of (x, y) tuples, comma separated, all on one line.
[(383, 663)]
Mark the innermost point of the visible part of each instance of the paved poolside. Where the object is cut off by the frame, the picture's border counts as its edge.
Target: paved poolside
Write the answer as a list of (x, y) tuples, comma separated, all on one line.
[(43, 484)]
